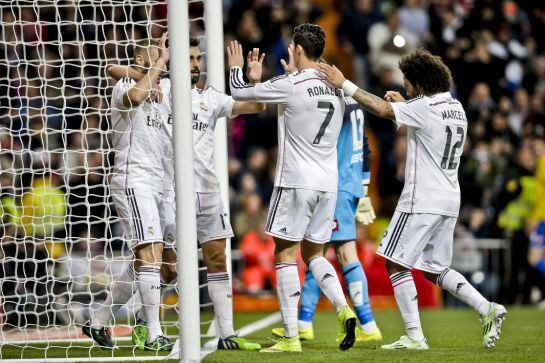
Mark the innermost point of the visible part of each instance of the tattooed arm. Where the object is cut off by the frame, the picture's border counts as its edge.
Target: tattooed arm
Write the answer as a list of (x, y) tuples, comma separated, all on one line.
[(370, 102), (374, 104)]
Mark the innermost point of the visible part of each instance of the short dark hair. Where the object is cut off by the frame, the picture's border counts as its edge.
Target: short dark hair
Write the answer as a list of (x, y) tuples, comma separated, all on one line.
[(194, 42), (144, 45), (311, 38), (426, 71)]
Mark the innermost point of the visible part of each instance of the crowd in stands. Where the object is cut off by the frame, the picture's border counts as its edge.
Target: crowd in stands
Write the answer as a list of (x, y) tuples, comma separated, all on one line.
[(54, 112)]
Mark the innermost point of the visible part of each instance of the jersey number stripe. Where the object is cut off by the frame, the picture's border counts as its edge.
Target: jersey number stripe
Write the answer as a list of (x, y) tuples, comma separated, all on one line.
[(448, 152), (331, 109)]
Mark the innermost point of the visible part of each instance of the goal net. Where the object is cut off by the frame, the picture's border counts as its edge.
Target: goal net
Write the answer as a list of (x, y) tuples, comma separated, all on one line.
[(62, 243)]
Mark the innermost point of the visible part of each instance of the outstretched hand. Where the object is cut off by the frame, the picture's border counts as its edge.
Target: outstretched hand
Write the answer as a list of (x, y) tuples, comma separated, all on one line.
[(290, 66), (332, 74), (254, 65), (163, 49), (235, 57)]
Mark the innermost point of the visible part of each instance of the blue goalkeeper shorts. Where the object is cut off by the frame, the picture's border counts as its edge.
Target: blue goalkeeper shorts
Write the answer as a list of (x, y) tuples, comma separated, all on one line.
[(537, 238), (344, 220)]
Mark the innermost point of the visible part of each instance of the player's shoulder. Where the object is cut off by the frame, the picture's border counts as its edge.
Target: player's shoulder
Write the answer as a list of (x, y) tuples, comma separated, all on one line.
[(212, 92), (282, 78), (125, 82), (418, 100), (304, 75)]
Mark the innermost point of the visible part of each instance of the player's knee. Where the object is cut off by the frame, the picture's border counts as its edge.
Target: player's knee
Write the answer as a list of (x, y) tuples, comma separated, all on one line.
[(169, 272), (430, 276), (346, 253), (216, 261), (149, 254), (285, 251), (393, 267)]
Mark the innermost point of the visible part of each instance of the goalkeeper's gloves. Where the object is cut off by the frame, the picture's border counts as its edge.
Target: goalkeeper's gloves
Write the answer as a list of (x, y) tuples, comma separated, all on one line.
[(365, 213)]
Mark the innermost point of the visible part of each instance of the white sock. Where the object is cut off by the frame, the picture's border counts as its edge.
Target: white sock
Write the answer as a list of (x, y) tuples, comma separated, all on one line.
[(288, 289), (120, 293), (460, 288), (304, 324), (370, 326), (329, 283), (407, 302), (149, 284), (219, 289)]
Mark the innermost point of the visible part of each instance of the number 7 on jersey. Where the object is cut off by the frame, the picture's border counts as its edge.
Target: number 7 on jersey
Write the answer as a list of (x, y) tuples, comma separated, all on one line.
[(331, 109)]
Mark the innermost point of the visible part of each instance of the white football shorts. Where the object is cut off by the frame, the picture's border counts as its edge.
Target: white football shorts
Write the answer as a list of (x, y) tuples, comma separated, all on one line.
[(146, 216), (296, 214), (419, 240), (212, 221), (167, 213)]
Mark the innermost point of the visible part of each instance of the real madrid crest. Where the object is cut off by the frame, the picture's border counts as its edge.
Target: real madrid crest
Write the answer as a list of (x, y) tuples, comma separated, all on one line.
[(203, 107)]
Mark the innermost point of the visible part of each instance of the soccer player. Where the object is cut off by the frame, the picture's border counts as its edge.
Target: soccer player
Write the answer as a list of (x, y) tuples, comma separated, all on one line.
[(420, 234), (301, 210), (139, 138), (213, 227), (352, 201)]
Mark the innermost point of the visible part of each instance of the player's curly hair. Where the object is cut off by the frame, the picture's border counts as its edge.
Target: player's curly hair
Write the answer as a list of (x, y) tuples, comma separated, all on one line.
[(426, 71), (311, 38)]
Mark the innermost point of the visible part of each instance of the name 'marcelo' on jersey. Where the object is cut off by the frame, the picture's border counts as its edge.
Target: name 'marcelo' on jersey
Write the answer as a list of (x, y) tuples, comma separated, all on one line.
[(436, 132), (140, 140), (353, 150), (310, 113)]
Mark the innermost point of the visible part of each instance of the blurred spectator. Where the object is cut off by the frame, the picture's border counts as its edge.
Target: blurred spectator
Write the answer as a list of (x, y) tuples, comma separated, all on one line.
[(353, 31), (257, 248), (388, 41), (414, 17)]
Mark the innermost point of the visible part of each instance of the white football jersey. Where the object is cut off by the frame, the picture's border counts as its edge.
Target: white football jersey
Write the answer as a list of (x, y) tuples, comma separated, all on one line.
[(139, 138), (436, 132), (207, 105), (168, 159), (310, 116)]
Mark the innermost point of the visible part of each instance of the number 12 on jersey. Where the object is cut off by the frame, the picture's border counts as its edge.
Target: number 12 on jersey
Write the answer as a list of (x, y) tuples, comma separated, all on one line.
[(449, 154)]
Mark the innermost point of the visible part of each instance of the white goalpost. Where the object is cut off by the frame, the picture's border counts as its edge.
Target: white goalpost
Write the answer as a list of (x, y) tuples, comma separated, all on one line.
[(61, 241)]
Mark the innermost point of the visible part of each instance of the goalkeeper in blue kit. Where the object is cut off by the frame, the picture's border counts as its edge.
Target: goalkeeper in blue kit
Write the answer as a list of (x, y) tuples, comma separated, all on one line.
[(353, 204)]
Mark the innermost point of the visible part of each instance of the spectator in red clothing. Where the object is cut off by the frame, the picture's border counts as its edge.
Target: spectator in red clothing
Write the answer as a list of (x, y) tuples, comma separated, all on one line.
[(258, 251)]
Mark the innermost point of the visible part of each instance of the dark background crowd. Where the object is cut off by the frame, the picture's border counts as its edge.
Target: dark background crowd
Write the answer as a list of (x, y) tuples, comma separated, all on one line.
[(55, 147)]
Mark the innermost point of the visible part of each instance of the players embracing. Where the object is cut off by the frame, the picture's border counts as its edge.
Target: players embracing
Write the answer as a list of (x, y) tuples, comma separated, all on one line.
[(310, 114), (420, 234)]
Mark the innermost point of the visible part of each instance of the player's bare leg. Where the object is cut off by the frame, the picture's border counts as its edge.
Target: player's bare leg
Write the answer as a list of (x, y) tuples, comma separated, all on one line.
[(407, 302), (492, 314), (326, 276), (219, 289), (356, 284)]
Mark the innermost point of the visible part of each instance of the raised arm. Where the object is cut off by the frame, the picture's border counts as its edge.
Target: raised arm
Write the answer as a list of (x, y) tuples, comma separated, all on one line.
[(276, 90), (370, 102), (117, 72), (141, 90)]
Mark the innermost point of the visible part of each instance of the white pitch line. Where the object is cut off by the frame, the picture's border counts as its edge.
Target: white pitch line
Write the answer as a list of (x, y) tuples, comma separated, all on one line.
[(211, 345)]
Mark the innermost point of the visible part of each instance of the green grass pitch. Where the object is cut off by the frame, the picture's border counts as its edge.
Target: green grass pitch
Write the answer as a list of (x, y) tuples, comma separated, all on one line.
[(453, 336)]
